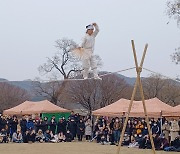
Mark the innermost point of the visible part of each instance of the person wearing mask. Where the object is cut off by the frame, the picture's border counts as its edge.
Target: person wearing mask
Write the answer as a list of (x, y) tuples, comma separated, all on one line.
[(71, 126), (80, 129), (117, 130), (23, 122), (13, 124), (155, 129), (88, 129), (174, 129), (52, 124), (40, 136), (32, 136), (166, 129), (30, 124), (68, 136), (17, 137), (61, 126)]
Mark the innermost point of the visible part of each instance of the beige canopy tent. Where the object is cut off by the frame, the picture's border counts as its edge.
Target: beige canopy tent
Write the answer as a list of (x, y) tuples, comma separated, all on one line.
[(29, 107), (154, 106), (174, 112)]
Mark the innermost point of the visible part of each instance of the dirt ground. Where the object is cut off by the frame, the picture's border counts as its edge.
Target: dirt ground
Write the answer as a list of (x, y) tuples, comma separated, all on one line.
[(69, 148)]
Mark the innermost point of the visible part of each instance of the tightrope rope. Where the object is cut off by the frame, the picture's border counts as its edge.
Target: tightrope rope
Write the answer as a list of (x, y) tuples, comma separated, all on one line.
[(161, 74), (74, 79)]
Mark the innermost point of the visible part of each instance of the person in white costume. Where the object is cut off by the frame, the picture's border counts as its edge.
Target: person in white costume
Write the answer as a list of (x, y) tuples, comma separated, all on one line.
[(87, 49)]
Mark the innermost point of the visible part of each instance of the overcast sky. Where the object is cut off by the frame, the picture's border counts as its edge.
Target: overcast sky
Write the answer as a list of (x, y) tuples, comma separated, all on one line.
[(29, 29)]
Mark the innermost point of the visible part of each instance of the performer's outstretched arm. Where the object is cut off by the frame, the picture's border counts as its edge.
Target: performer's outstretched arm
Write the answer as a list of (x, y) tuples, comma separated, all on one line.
[(96, 29)]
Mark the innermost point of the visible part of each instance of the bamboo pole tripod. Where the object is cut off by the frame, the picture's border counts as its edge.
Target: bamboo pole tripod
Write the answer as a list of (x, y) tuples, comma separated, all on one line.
[(137, 83)]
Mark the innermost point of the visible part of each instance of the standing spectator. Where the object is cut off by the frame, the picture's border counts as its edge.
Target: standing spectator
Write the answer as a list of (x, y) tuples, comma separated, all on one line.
[(174, 130), (155, 129), (23, 122), (129, 128), (52, 124), (30, 124), (166, 129), (46, 123), (117, 129), (61, 126), (40, 125), (13, 125), (88, 129), (71, 126), (17, 137), (3, 122), (80, 129)]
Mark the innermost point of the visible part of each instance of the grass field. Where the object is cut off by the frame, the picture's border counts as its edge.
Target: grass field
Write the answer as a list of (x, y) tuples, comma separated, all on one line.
[(69, 148)]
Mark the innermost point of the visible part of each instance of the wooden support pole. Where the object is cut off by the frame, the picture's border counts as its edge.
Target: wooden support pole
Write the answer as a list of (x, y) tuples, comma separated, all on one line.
[(138, 82)]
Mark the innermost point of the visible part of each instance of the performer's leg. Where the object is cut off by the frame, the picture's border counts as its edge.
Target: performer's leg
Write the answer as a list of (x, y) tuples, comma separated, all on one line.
[(94, 67), (86, 66)]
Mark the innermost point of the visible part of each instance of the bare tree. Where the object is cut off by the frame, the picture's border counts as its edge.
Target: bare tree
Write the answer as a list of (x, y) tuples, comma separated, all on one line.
[(173, 10), (85, 93), (93, 94), (11, 96), (166, 90), (112, 88), (153, 86), (176, 56)]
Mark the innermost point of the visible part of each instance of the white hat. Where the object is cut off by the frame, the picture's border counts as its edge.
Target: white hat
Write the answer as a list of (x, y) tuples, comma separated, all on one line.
[(89, 27)]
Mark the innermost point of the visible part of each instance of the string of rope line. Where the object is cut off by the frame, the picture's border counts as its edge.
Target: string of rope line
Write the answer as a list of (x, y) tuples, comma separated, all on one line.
[(103, 74), (71, 79), (161, 74)]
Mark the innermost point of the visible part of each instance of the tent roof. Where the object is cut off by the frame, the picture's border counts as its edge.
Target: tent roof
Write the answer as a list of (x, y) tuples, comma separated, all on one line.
[(29, 107), (174, 112), (154, 107)]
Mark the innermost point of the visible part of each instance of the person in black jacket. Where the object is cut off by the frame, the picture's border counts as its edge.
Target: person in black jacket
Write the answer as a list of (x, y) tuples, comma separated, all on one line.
[(13, 124), (40, 125), (23, 125), (46, 124), (68, 136), (61, 126), (52, 125), (26, 137), (80, 129), (71, 126)]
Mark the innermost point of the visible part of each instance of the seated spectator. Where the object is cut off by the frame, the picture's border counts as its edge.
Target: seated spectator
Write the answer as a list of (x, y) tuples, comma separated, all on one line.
[(26, 137), (3, 136), (47, 136), (126, 139), (133, 143), (139, 127), (164, 142), (68, 136), (61, 137), (17, 137), (40, 136), (145, 143), (157, 141), (32, 136)]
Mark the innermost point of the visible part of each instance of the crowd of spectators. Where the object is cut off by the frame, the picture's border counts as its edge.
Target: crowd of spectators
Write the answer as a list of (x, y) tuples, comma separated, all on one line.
[(102, 130)]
